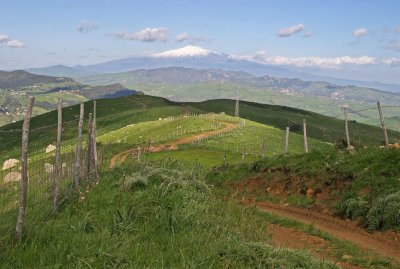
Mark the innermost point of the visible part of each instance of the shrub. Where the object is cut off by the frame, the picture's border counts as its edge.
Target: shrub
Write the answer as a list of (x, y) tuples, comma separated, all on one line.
[(385, 213), (353, 208)]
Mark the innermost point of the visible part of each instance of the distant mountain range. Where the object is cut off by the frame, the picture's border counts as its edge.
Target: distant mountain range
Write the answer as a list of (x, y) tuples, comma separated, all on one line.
[(22, 78), (15, 86), (199, 58)]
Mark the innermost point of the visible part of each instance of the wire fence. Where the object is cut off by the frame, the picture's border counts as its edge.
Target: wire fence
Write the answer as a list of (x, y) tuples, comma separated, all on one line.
[(42, 159)]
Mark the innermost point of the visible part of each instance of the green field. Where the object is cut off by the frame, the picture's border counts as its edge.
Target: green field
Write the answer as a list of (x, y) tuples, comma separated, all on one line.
[(162, 211)]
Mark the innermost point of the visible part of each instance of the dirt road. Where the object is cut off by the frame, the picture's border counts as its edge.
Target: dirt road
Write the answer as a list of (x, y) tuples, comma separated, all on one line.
[(387, 244), (173, 145)]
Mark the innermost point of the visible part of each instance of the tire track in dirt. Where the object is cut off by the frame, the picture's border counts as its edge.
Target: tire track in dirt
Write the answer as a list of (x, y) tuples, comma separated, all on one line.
[(173, 145), (339, 228)]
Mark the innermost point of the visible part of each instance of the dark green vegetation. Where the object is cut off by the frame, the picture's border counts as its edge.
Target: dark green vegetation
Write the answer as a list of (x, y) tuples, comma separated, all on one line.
[(160, 216), (188, 84), (117, 113), (362, 186), (16, 86)]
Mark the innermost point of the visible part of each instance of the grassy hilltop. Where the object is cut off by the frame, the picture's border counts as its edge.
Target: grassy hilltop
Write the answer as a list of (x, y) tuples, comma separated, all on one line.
[(165, 210)]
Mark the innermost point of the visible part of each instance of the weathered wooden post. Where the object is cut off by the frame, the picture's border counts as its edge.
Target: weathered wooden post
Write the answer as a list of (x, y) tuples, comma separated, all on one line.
[(305, 136), (58, 165), (87, 170), (383, 124), (287, 141), (94, 134), (243, 153), (346, 127), (262, 150), (24, 169), (139, 152), (78, 153)]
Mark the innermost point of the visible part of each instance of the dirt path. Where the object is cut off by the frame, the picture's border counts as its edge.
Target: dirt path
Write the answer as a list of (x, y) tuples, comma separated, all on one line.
[(173, 145), (387, 244), (317, 246)]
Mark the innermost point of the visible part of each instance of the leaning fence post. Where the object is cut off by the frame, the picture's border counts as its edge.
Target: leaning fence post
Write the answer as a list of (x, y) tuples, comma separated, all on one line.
[(305, 135), (24, 168), (87, 170), (77, 168), (383, 124), (57, 165), (287, 141), (346, 125), (94, 134)]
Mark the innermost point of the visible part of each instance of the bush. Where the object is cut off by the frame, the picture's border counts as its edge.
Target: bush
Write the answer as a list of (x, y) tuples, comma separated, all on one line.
[(353, 208), (385, 213)]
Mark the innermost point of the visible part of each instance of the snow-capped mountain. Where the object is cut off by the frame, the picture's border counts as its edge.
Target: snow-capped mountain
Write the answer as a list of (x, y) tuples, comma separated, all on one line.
[(188, 51), (199, 58), (189, 56)]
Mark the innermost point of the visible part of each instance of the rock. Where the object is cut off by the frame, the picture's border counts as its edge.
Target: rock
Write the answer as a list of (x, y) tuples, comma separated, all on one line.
[(310, 193), (50, 148), (10, 163), (12, 177), (49, 168), (352, 150)]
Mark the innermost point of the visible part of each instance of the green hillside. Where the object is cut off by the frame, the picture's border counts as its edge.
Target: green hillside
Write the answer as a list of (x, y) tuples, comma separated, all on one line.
[(116, 113), (162, 211), (194, 85)]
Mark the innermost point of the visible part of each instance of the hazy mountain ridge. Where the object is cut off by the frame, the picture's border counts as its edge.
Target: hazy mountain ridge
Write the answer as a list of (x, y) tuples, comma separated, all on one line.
[(16, 86), (21, 78), (199, 58)]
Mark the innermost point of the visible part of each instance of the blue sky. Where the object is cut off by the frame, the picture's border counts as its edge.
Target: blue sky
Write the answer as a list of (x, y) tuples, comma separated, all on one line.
[(309, 35)]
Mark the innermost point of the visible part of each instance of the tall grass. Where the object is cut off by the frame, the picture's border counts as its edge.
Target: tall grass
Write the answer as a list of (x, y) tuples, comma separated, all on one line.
[(158, 216)]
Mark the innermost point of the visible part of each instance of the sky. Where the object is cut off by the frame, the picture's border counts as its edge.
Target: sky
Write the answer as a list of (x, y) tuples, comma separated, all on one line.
[(358, 39)]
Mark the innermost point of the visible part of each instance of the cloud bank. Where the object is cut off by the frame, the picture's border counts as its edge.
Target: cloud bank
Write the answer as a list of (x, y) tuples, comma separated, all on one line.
[(310, 62)]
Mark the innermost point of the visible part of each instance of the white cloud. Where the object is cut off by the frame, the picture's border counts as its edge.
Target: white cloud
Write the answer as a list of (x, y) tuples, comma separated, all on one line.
[(86, 27), (310, 62), (11, 43), (393, 45), (189, 38), (308, 34), (392, 61), (360, 32), (146, 35), (286, 32)]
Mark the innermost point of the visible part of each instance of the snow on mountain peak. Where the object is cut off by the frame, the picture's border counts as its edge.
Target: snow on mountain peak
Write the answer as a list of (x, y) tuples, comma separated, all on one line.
[(188, 51)]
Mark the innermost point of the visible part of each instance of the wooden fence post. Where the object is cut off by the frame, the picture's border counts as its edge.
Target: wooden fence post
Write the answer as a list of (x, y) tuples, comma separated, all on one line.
[(263, 150), (24, 169), (58, 165), (77, 168), (305, 135), (243, 153), (346, 127), (139, 152), (383, 124), (287, 141), (94, 133), (87, 170)]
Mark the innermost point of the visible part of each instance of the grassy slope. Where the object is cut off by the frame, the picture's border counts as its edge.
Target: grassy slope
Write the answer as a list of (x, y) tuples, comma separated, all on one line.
[(357, 98), (318, 126), (116, 113), (354, 184), (163, 219)]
